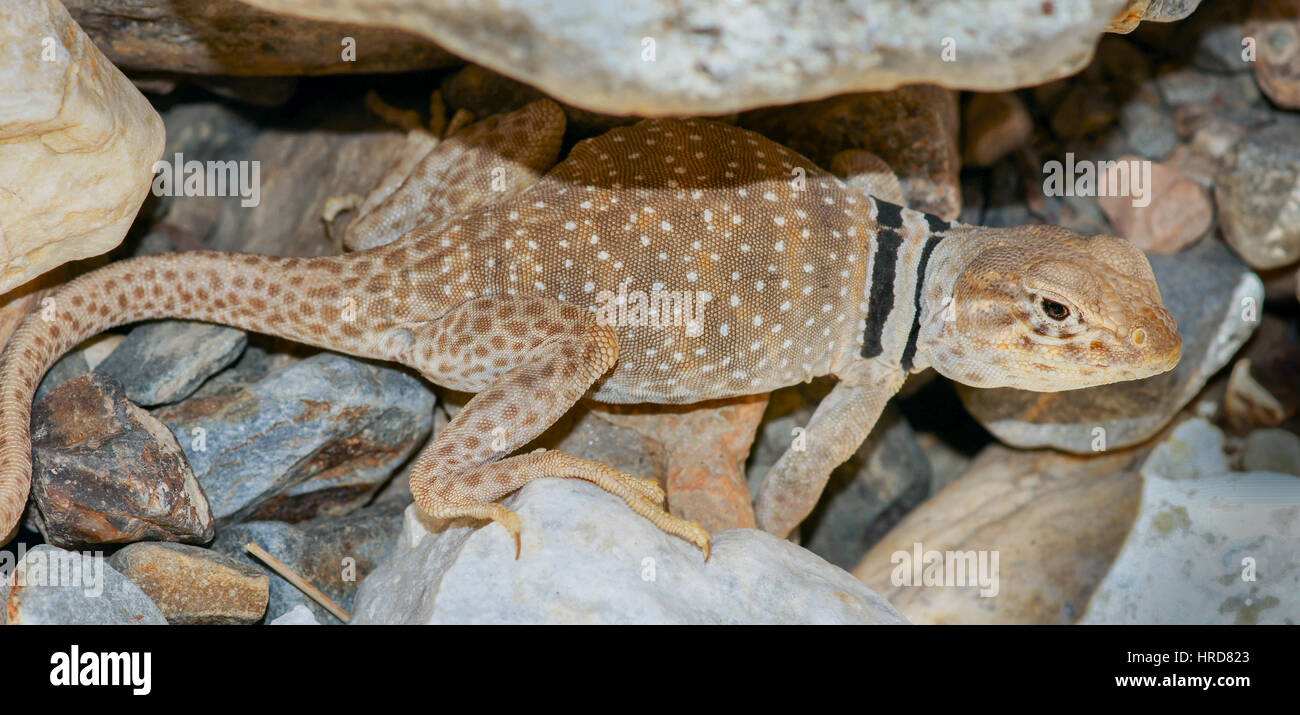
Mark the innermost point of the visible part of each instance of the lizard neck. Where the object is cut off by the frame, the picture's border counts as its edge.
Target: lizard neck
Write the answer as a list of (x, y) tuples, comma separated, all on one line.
[(960, 245), (904, 247)]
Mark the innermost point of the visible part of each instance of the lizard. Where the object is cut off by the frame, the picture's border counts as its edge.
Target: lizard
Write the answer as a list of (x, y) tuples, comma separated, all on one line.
[(525, 292)]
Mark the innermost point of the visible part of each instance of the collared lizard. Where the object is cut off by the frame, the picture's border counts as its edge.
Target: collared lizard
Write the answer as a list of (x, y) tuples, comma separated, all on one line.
[(501, 284)]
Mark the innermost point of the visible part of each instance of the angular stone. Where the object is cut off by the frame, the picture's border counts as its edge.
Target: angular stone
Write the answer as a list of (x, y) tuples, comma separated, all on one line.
[(333, 554), (995, 125), (587, 558), (1215, 299), (1271, 450), (51, 586), (1258, 194), (166, 361), (77, 144), (106, 471), (1209, 546), (1054, 521), (657, 58), (226, 37), (913, 129), (316, 436), (195, 586)]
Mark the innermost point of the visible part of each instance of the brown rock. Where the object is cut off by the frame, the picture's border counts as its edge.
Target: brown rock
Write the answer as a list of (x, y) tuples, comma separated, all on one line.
[(1248, 404), (1055, 522), (106, 471), (1179, 211), (913, 129), (1275, 27), (226, 37), (193, 585), (995, 125)]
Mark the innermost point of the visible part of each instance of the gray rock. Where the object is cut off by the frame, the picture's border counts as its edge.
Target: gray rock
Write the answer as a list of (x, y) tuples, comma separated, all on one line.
[(587, 558), (164, 362), (1210, 546), (1148, 129), (300, 615), (319, 435), (1258, 193), (106, 471), (332, 554), (715, 56), (56, 587), (195, 586), (1271, 450), (1217, 302)]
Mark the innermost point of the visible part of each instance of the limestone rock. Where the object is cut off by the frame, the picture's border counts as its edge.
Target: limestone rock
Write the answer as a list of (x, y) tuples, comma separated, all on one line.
[(77, 144), (51, 586), (106, 471), (1271, 450), (1179, 211), (587, 558), (657, 58), (195, 586), (1215, 299), (1210, 546)]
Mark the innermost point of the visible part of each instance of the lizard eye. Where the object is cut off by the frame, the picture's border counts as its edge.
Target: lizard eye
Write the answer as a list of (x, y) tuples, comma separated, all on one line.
[(1055, 310)]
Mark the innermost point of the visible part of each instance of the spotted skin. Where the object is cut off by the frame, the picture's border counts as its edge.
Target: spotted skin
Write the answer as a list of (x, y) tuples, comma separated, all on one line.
[(673, 261)]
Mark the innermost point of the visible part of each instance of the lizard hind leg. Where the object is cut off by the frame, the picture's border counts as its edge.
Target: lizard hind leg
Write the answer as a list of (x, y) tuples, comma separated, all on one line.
[(530, 359)]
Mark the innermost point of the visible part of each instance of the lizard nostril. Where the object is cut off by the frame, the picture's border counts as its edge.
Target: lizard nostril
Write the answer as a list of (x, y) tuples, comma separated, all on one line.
[(1139, 337)]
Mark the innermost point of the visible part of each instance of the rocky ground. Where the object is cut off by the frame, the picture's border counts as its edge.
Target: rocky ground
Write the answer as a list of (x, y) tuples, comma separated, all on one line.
[(162, 449)]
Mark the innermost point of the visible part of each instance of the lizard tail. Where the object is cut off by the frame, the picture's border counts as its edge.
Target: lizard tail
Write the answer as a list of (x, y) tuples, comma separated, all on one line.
[(295, 298)]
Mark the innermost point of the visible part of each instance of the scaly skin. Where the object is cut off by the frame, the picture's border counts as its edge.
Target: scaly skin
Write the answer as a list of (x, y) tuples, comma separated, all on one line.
[(497, 289)]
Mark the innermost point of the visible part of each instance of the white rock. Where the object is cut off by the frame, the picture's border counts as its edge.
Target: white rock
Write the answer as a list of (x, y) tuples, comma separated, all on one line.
[(299, 615), (52, 586), (77, 143), (660, 57), (588, 558), (1209, 546)]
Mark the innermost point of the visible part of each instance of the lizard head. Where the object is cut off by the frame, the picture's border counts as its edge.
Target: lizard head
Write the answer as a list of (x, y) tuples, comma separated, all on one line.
[(1043, 308)]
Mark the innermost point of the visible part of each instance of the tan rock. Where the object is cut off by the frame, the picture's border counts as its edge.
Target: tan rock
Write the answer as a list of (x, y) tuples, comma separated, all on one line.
[(995, 125), (195, 586), (1055, 522), (1179, 211), (1275, 27), (77, 143), (1249, 404)]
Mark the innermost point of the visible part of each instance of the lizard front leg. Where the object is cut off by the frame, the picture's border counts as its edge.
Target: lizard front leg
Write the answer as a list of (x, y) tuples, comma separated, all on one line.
[(529, 359), (838, 426)]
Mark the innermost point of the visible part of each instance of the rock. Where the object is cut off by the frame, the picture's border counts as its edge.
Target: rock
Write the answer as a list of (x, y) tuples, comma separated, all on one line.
[(703, 448), (333, 554), (587, 558), (946, 463), (106, 471), (1271, 450), (56, 587), (1275, 27), (484, 92), (1135, 11), (77, 144), (1215, 299), (1249, 404), (1186, 88), (1214, 36), (300, 615), (195, 586), (1084, 110), (914, 130), (1179, 211), (1209, 546), (995, 125), (656, 58), (1054, 521), (1258, 194), (79, 362), (166, 361), (1149, 129), (225, 37), (321, 149), (316, 436)]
